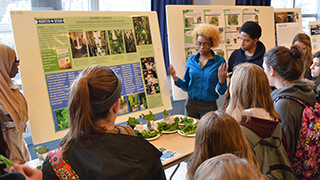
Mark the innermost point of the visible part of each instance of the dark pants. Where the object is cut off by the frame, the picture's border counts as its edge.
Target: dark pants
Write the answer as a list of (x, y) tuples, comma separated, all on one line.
[(197, 109)]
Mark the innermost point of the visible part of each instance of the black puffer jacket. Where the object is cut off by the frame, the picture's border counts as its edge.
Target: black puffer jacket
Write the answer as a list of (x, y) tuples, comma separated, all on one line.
[(112, 156)]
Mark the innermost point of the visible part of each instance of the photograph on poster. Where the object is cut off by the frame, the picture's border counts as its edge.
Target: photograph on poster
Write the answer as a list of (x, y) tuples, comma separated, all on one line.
[(63, 121), (187, 22), (142, 30), (123, 105), (79, 49), (129, 41), (63, 58), (150, 76), (153, 89), (284, 17), (115, 38), (147, 63), (143, 101), (189, 51), (221, 31), (97, 43), (233, 19), (133, 102), (214, 20)]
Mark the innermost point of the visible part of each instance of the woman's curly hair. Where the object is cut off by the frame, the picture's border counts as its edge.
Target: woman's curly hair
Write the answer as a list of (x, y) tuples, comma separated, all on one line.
[(207, 31)]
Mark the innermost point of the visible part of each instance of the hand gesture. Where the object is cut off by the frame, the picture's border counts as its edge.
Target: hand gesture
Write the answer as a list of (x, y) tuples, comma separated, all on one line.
[(222, 73), (172, 72), (27, 171)]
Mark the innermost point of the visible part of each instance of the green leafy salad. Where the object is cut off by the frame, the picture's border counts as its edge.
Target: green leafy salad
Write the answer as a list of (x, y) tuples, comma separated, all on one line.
[(189, 129), (165, 113), (163, 126), (151, 133), (41, 149), (6, 161), (186, 120), (148, 117), (132, 121)]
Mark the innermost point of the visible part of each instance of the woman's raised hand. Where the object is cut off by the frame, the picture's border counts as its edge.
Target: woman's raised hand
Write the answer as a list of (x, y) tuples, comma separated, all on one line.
[(172, 72), (222, 73)]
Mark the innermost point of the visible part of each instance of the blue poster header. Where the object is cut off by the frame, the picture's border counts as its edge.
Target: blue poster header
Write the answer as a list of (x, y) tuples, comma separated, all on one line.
[(49, 21)]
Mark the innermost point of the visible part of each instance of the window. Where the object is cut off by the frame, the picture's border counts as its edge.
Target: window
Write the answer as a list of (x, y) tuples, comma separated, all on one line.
[(310, 10)]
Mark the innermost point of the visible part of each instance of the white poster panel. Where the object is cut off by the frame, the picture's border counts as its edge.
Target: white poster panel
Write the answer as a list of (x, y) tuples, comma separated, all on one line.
[(181, 20), (314, 31), (288, 23), (54, 47)]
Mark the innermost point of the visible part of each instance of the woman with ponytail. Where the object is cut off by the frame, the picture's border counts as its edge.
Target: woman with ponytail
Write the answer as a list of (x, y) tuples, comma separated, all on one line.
[(284, 68), (94, 148)]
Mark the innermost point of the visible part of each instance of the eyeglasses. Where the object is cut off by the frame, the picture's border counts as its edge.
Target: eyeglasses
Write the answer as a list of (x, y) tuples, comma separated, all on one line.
[(206, 45), (17, 60)]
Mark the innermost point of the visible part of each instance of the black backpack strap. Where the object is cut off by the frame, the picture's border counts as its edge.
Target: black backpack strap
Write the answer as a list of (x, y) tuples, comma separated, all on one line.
[(289, 97)]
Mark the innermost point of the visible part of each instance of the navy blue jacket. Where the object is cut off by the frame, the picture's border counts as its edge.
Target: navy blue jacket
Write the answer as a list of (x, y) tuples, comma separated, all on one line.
[(238, 57)]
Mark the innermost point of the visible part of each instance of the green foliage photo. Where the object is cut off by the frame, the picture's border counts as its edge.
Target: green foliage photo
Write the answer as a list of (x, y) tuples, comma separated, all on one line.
[(129, 41), (133, 101), (63, 120), (116, 41), (142, 30), (233, 20), (214, 20)]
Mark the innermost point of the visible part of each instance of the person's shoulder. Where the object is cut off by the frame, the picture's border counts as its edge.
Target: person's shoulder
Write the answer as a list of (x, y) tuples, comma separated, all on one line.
[(218, 58), (261, 46), (235, 54)]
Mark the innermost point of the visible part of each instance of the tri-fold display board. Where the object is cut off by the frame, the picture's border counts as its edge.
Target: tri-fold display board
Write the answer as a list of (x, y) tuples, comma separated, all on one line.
[(181, 20), (55, 46)]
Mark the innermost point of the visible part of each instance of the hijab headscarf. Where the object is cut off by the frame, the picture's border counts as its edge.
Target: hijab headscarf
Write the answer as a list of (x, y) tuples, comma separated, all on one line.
[(10, 96)]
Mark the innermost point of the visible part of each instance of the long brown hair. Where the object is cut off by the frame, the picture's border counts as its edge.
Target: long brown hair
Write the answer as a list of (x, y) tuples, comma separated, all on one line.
[(288, 63), (305, 39), (95, 83), (249, 89), (219, 133)]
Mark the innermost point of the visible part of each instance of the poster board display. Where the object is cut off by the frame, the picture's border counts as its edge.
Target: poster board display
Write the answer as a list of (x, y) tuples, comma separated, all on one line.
[(181, 19), (288, 23), (55, 46), (314, 31)]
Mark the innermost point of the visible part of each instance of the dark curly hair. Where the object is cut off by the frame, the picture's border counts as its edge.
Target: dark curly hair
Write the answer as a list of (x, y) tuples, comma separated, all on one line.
[(252, 28)]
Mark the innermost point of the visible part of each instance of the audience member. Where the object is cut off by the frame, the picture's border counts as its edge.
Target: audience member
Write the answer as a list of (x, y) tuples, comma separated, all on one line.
[(284, 68), (304, 42), (13, 104), (94, 148), (252, 106), (315, 73), (227, 167), (219, 133)]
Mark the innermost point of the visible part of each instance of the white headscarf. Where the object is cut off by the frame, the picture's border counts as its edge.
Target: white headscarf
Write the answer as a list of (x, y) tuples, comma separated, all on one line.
[(10, 97)]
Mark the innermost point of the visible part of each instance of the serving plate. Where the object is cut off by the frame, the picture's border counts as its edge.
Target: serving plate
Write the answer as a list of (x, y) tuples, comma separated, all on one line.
[(189, 135), (156, 137)]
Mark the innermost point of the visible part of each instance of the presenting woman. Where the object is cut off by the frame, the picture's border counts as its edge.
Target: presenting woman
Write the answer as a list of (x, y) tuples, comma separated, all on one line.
[(205, 73), (94, 148), (13, 104)]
